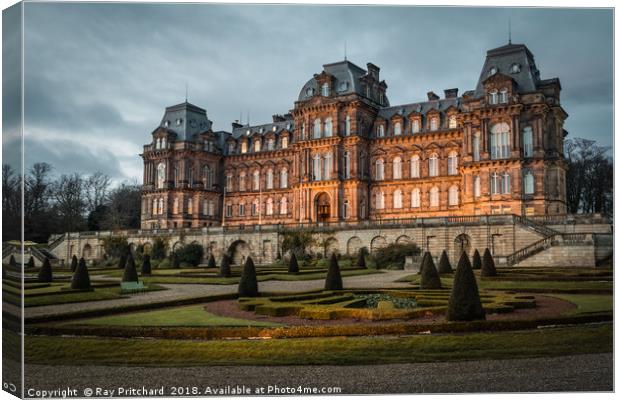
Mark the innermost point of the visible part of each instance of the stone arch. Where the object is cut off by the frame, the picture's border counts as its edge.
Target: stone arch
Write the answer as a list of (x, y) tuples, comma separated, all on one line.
[(322, 207), (354, 245), (239, 250), (403, 239), (176, 246), (331, 246), (87, 251), (376, 243), (461, 243)]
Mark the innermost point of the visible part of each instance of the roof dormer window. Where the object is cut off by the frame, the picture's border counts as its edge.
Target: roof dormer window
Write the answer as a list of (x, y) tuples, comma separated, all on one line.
[(309, 92), (179, 121), (343, 86), (492, 71), (325, 89), (515, 68), (275, 128), (166, 123)]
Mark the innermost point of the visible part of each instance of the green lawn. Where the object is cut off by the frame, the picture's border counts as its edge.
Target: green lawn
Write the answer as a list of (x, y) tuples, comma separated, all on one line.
[(194, 315), (320, 351), (588, 303)]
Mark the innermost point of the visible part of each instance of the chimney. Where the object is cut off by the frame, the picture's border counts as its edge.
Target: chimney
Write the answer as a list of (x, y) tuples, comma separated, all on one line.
[(278, 118), (432, 96), (236, 124), (451, 93)]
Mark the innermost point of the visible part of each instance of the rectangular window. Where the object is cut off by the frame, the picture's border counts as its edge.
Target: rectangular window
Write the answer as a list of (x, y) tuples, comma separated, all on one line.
[(241, 210), (528, 145), (476, 146), (229, 210)]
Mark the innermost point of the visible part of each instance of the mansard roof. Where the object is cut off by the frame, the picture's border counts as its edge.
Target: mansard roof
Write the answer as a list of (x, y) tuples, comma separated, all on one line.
[(186, 120), (422, 107), (283, 124)]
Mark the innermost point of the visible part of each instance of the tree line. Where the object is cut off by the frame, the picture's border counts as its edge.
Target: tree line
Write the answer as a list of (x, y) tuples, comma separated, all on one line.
[(65, 203)]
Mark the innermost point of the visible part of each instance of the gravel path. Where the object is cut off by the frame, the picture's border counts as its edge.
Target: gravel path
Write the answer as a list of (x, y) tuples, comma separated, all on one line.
[(187, 291), (591, 372)]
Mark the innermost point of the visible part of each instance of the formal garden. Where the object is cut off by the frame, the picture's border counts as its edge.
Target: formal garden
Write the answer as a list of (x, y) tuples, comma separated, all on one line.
[(186, 307)]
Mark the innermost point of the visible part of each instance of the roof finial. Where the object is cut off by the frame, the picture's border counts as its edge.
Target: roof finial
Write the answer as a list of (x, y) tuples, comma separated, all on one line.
[(509, 32), (345, 50), (186, 90)]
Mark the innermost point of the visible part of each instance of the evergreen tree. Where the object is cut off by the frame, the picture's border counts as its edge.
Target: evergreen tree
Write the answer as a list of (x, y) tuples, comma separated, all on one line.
[(74, 263), (248, 285), (45, 273), (146, 265), (444, 264), (477, 261), (488, 264), (465, 304), (293, 265), (361, 259), (211, 262), (225, 266), (81, 279), (12, 262), (429, 277), (30, 263), (333, 281), (130, 274)]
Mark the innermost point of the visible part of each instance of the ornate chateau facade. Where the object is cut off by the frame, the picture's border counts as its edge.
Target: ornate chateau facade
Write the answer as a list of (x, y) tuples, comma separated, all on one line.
[(343, 153)]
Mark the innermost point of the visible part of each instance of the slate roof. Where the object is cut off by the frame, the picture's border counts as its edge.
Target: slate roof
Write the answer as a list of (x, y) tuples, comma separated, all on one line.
[(280, 126), (186, 120), (423, 107), (503, 58)]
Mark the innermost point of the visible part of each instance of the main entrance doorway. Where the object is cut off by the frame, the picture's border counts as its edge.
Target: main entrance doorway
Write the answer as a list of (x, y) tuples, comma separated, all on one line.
[(322, 206)]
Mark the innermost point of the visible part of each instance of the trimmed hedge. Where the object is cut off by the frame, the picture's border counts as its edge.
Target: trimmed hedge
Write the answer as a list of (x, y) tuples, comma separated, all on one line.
[(176, 263), (444, 264), (464, 303), (476, 260), (429, 278), (333, 281), (488, 264), (12, 262), (74, 263), (45, 273), (146, 265), (361, 259), (225, 266), (81, 279), (122, 261), (211, 262), (130, 274), (293, 265), (248, 284), (30, 263)]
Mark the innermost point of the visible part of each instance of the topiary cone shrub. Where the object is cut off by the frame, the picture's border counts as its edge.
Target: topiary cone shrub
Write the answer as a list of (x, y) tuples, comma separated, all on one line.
[(130, 274), (361, 259), (248, 285), (464, 303), (444, 264), (429, 278), (293, 265), (45, 273), (81, 279), (476, 261), (122, 261), (225, 266), (30, 263), (488, 264), (211, 262), (333, 281), (74, 263), (176, 263), (12, 262), (146, 265)]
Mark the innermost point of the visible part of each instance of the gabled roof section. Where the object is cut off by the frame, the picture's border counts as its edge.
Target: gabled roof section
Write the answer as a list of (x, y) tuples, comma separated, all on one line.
[(186, 120), (514, 60)]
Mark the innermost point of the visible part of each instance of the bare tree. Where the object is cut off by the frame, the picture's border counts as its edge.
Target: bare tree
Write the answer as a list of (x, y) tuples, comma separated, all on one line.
[(96, 189), (11, 204), (123, 207), (69, 201)]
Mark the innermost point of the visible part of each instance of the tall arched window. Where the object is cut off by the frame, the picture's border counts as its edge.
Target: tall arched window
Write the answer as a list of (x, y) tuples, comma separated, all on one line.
[(257, 145), (433, 165), (269, 207), (500, 140), (415, 126), (161, 205), (303, 131), (452, 163), (155, 203), (397, 169), (316, 167), (256, 180), (347, 126), (270, 144), (379, 170), (415, 198), (528, 182), (528, 143), (244, 147), (477, 186), (415, 166), (163, 143), (493, 97), (255, 205), (346, 160), (397, 129), (316, 129), (241, 209), (476, 146), (158, 144), (190, 206), (283, 178), (453, 195), (325, 89), (434, 125), (380, 201), (205, 207), (269, 179), (327, 162), (503, 96), (380, 131), (283, 206), (495, 184), (208, 177), (506, 182), (345, 209), (434, 196), (452, 122), (242, 181), (398, 199), (328, 127), (175, 206), (284, 142), (161, 175)]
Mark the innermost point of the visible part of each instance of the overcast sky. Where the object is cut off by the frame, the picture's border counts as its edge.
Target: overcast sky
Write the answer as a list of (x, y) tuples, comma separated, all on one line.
[(98, 76)]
